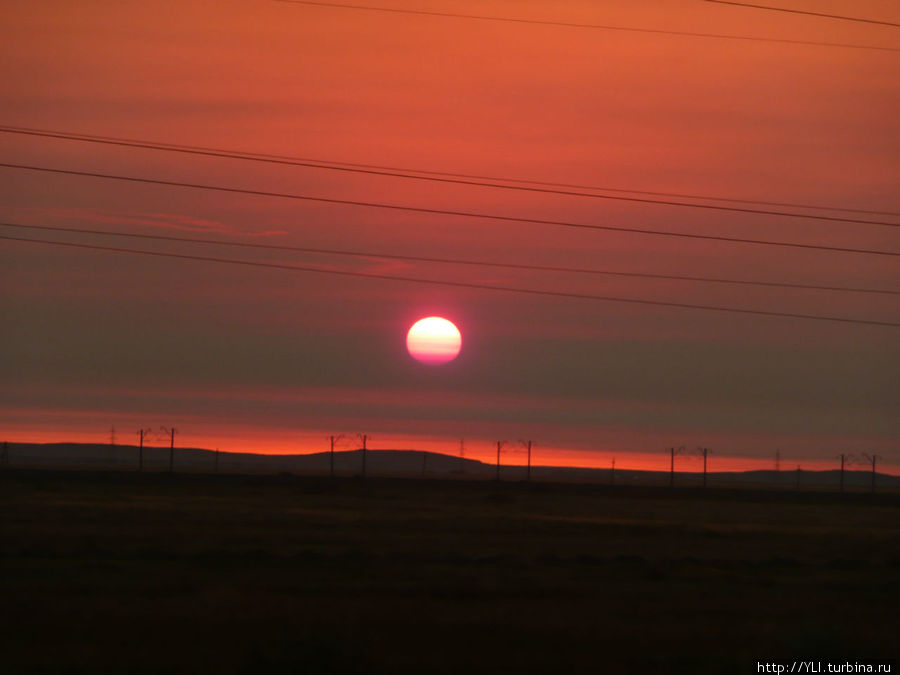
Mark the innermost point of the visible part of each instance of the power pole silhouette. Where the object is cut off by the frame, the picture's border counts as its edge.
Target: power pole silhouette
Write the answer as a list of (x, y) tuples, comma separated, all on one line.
[(871, 458), (527, 446), (171, 448), (672, 453), (500, 444), (364, 438), (141, 451), (842, 471), (331, 459), (874, 457), (671, 467), (612, 472), (705, 452), (334, 439)]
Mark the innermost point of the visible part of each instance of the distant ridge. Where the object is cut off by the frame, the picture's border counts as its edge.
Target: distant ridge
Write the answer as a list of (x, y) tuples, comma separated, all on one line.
[(156, 458), (398, 462)]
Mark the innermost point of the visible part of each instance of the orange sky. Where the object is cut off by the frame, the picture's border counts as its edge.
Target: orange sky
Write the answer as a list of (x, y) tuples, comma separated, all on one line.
[(94, 339)]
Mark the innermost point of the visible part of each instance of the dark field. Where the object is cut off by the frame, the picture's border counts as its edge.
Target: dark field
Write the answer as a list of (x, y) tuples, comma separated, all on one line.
[(128, 573)]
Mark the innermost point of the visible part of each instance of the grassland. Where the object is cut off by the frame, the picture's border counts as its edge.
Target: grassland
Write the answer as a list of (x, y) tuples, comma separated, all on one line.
[(127, 573)]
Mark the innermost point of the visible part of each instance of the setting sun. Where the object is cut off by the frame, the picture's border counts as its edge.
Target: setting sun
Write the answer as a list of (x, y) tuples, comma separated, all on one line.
[(433, 340)]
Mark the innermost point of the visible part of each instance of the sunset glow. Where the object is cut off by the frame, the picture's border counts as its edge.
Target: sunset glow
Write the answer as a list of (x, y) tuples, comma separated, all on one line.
[(604, 348)]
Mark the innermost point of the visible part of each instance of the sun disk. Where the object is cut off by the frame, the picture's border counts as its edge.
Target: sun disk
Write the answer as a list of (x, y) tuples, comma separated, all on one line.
[(433, 340)]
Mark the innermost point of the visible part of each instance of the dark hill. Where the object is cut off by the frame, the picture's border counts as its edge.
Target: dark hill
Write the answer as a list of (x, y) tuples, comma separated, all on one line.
[(397, 462)]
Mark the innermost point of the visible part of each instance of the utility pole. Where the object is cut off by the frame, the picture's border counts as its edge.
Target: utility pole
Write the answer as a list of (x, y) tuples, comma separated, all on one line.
[(331, 458), (842, 471), (671, 467), (612, 472), (873, 457), (172, 450), (364, 439), (527, 446), (141, 451), (705, 452), (528, 472), (500, 444)]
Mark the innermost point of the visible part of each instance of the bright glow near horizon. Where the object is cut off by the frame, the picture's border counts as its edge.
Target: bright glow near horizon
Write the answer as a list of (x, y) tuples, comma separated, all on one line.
[(433, 340)]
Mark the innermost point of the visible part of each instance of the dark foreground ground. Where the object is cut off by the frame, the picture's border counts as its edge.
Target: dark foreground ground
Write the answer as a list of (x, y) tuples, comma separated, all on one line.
[(126, 573)]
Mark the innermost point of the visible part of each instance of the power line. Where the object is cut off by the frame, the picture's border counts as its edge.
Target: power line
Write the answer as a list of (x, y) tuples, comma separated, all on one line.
[(448, 212), (800, 11), (567, 24), (449, 261), (458, 284), (305, 161), (443, 178)]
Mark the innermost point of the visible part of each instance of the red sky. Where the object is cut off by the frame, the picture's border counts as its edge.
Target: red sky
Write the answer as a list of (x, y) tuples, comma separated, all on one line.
[(242, 358)]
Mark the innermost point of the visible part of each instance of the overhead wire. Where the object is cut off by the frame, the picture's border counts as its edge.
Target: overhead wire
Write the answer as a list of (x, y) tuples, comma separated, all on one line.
[(290, 161), (450, 212), (571, 24), (459, 284), (443, 177), (449, 261), (807, 13)]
